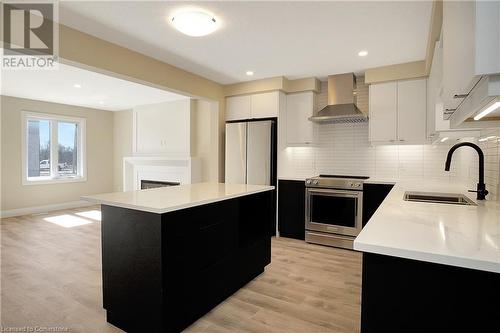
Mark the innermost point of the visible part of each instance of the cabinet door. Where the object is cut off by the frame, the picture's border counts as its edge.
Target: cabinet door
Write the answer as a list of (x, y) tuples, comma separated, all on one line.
[(163, 128), (265, 105), (458, 50), (412, 111), (236, 153), (238, 107), (433, 87), (291, 208), (299, 129), (373, 195), (487, 57), (383, 112), (259, 152)]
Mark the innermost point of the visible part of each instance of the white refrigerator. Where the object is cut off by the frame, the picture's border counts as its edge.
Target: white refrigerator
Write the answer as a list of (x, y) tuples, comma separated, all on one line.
[(251, 152)]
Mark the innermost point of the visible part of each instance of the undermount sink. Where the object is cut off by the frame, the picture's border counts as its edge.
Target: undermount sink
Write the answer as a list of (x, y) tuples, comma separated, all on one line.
[(445, 198)]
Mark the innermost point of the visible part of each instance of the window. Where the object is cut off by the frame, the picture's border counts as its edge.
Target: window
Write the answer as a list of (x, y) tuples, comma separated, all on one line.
[(53, 148)]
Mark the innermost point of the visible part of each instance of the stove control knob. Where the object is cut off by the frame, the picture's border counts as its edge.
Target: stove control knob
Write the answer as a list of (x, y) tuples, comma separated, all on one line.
[(316, 182), (308, 182)]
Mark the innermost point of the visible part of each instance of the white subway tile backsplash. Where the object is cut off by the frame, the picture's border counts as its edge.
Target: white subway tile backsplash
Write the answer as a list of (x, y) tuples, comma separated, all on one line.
[(491, 149), (345, 149)]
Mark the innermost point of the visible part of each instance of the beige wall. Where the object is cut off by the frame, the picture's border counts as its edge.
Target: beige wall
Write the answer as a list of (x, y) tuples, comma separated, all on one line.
[(99, 155), (122, 144), (409, 70), (205, 138), (271, 84)]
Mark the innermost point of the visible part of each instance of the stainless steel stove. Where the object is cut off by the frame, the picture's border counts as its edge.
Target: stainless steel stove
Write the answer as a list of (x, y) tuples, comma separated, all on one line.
[(334, 209)]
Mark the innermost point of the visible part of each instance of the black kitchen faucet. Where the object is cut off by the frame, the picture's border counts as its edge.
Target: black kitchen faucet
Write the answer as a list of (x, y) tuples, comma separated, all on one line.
[(481, 187)]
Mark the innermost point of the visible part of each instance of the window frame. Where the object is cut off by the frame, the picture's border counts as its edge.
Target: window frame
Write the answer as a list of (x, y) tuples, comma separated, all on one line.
[(54, 178)]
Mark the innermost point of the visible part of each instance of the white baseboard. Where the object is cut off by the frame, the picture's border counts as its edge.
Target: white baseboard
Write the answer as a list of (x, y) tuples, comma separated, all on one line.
[(44, 209)]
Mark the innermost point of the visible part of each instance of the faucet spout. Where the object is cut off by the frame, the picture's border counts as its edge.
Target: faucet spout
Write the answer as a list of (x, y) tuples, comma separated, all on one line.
[(481, 187)]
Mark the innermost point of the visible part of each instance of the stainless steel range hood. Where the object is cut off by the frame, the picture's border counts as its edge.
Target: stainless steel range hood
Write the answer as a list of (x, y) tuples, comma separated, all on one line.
[(341, 106)]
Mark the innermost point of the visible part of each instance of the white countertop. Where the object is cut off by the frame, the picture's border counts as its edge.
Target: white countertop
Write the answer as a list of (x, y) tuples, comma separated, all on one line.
[(463, 236), (166, 199)]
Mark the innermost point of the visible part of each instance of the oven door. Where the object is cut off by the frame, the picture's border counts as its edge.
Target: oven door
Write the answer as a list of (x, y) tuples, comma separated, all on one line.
[(334, 211)]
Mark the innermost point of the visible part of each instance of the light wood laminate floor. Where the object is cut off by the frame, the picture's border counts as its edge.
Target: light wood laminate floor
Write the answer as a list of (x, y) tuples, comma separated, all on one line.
[(51, 277)]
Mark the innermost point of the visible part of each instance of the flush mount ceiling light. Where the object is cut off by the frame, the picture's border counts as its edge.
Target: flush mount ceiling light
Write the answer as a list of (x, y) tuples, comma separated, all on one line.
[(76, 85), (249, 73), (362, 53), (492, 106), (194, 22)]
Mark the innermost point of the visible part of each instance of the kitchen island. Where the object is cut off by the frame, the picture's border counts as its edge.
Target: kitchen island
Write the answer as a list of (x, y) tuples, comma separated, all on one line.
[(430, 267), (171, 254)]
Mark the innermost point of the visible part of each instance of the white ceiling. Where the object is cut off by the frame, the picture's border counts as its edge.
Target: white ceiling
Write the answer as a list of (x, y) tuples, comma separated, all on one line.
[(97, 90), (295, 39)]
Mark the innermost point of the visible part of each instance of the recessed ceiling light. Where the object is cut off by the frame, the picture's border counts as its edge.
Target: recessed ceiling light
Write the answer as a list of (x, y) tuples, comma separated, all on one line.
[(101, 102), (249, 73), (363, 53), (194, 22), (76, 85)]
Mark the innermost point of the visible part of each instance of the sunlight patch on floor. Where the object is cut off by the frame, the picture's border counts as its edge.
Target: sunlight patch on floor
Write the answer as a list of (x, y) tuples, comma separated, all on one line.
[(91, 214), (67, 221)]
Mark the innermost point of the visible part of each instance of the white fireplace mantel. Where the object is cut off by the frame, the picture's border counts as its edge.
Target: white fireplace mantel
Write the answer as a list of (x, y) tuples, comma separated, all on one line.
[(159, 168)]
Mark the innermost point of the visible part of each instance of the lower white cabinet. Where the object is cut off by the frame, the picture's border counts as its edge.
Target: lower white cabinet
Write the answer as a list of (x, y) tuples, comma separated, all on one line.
[(299, 129), (398, 112)]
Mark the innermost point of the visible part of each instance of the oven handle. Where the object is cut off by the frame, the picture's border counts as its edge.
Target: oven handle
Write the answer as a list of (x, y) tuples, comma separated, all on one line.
[(334, 193)]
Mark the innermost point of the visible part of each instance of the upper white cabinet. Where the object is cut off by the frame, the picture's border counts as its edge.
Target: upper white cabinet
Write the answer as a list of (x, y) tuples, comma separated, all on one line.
[(433, 86), (471, 46), (299, 129), (238, 107), (412, 110), (398, 112), (458, 50), (383, 112), (255, 106), (163, 128), (487, 35), (435, 106), (265, 105)]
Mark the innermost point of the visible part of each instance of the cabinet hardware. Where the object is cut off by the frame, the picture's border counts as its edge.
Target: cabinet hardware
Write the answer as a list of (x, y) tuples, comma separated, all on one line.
[(460, 95)]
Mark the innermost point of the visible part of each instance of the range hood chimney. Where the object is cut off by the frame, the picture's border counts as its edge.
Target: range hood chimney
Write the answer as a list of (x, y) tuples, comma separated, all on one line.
[(341, 106)]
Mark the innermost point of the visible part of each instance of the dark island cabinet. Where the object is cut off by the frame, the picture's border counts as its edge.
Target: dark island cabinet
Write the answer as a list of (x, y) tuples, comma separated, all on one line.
[(161, 272), (411, 296), (291, 208)]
